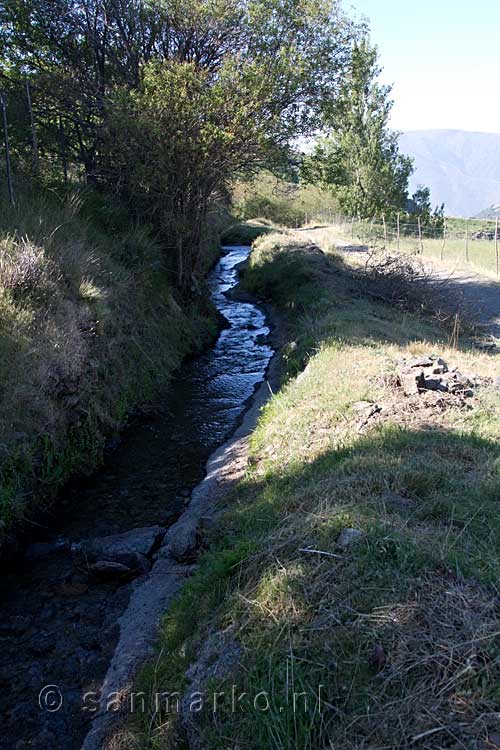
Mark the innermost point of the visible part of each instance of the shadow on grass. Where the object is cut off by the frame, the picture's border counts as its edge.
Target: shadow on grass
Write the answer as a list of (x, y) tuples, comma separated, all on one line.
[(373, 643)]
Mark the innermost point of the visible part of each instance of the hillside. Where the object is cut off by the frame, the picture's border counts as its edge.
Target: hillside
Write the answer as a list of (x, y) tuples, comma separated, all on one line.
[(82, 343), (462, 169), (490, 213)]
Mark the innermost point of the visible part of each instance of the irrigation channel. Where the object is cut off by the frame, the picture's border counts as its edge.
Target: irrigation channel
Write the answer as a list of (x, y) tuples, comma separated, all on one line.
[(58, 624)]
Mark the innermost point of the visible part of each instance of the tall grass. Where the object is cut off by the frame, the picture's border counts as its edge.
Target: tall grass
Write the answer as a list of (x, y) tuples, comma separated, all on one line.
[(89, 328)]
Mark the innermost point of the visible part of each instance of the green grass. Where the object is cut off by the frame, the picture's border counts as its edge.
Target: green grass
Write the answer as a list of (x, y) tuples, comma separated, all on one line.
[(245, 233), (452, 251), (90, 327), (401, 629)]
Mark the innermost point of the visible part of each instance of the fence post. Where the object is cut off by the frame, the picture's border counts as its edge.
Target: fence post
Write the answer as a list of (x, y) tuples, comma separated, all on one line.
[(496, 242), (467, 239), (352, 228), (399, 233), (7, 149), (34, 140), (444, 240), (421, 244), (385, 229)]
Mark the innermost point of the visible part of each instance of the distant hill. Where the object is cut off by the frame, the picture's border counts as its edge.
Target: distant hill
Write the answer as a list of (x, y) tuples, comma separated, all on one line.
[(493, 212), (462, 169)]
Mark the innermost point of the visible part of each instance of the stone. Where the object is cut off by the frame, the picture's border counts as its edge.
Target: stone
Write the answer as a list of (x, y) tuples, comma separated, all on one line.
[(412, 382), (432, 384), (421, 362), (184, 546), (441, 363), (105, 570), (439, 369), (349, 537), (130, 549)]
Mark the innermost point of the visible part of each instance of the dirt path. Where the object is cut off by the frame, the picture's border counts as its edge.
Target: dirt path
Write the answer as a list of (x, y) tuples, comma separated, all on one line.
[(480, 293)]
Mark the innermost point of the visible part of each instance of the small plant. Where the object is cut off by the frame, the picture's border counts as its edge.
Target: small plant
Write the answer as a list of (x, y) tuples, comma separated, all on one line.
[(25, 271), (89, 292)]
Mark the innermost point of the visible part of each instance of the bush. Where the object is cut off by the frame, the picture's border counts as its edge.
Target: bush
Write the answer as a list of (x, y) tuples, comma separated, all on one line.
[(284, 203), (25, 271)]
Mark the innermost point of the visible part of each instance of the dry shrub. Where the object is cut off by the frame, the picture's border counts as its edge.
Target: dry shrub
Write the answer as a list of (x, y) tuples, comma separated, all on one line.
[(25, 271), (398, 280)]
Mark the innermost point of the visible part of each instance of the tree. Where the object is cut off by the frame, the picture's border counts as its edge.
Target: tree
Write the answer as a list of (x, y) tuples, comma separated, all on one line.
[(165, 102), (420, 205), (177, 141), (359, 159)]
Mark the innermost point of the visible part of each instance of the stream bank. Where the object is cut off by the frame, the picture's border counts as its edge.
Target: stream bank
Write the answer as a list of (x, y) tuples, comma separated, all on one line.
[(59, 624)]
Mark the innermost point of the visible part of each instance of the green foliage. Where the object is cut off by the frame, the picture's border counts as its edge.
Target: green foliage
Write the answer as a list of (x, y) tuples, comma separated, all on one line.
[(360, 160), (165, 103), (245, 233), (420, 205), (280, 200)]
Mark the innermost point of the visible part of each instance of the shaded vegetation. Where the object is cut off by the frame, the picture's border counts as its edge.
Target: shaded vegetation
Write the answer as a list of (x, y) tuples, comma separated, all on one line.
[(90, 327), (166, 103)]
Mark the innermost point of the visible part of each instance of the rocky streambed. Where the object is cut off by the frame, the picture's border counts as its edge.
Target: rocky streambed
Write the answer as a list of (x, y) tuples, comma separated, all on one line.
[(83, 586)]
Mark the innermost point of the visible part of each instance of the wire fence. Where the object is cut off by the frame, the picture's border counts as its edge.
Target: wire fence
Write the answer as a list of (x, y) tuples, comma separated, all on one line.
[(457, 240)]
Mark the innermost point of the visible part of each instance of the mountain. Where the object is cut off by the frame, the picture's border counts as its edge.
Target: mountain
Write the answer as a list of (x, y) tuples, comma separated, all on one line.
[(493, 212), (461, 168)]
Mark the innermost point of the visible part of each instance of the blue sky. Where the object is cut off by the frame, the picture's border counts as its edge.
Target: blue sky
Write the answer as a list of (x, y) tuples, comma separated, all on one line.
[(443, 59)]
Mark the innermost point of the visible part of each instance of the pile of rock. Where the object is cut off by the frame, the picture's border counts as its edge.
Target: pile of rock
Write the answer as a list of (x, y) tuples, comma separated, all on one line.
[(431, 373)]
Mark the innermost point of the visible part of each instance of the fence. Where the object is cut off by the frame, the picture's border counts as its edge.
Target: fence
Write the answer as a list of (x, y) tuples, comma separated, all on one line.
[(462, 241)]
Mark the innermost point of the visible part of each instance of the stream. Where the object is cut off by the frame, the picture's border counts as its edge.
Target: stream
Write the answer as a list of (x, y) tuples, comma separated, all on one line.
[(58, 626)]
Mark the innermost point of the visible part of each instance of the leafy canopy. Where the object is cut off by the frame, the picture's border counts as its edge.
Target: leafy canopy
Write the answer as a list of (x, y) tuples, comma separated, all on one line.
[(359, 159)]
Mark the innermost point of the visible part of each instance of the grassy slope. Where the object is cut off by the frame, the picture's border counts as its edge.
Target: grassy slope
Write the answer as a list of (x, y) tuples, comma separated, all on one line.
[(89, 328), (401, 629)]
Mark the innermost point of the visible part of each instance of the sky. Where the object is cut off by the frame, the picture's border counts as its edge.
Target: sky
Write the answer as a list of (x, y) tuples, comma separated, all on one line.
[(443, 59)]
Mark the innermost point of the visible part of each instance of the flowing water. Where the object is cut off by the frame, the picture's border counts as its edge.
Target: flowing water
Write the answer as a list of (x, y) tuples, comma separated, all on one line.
[(57, 626)]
